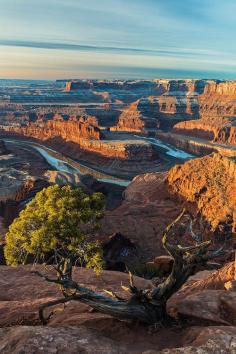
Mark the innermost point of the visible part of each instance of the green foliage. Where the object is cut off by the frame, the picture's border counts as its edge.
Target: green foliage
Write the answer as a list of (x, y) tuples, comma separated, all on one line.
[(58, 218), (90, 254)]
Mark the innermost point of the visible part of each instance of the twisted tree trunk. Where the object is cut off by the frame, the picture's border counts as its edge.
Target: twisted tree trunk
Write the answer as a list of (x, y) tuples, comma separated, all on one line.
[(144, 305)]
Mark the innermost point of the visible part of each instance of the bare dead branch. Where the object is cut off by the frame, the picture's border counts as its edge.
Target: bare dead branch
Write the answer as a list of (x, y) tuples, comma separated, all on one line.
[(48, 304), (50, 280), (114, 295), (144, 305), (194, 236)]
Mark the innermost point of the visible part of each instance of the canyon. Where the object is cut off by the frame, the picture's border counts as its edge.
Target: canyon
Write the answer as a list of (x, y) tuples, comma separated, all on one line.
[(141, 210), (209, 113), (154, 148), (135, 130), (203, 109), (217, 113)]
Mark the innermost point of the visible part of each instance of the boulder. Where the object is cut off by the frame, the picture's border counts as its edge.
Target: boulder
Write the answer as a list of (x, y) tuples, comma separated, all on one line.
[(202, 307), (70, 340), (207, 340), (164, 263), (228, 303), (203, 298)]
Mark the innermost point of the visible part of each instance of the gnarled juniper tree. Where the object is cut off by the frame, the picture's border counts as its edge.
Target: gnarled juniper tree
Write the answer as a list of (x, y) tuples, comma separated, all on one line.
[(57, 225), (144, 305)]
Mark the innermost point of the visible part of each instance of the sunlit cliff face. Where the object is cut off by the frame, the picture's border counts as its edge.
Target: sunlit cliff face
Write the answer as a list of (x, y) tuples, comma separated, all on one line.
[(117, 39)]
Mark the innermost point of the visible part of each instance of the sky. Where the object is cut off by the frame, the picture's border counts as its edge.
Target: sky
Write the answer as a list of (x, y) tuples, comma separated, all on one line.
[(63, 39)]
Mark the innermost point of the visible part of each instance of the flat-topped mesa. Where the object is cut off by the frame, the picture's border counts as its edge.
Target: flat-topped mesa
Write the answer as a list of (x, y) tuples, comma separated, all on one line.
[(76, 85), (183, 87), (157, 112), (86, 134), (133, 150), (220, 87), (158, 87), (217, 112), (219, 132)]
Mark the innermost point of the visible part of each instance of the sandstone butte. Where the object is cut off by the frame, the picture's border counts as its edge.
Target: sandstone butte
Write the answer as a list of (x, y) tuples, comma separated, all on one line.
[(157, 112), (217, 109), (205, 186), (204, 109), (86, 134)]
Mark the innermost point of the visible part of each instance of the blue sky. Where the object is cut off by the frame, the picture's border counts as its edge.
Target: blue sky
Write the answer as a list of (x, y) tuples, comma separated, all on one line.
[(117, 38)]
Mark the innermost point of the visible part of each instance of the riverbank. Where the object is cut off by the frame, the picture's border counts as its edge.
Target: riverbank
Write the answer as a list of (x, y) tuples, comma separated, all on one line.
[(100, 166), (196, 146), (65, 164)]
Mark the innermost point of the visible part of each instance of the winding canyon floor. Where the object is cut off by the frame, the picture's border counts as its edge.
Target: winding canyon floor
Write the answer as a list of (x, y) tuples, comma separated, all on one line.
[(59, 155)]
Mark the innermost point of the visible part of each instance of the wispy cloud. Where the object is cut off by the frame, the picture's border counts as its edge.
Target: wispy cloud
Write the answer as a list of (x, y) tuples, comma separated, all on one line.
[(90, 48), (77, 34)]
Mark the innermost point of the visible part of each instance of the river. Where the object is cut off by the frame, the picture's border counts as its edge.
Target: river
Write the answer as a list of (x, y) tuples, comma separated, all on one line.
[(170, 150), (61, 165), (64, 164)]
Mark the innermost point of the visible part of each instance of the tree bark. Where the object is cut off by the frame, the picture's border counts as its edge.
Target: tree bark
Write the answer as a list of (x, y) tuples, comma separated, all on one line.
[(145, 306)]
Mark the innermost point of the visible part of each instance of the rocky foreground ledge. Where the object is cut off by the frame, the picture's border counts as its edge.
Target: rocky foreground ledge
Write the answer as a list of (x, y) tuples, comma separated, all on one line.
[(202, 303)]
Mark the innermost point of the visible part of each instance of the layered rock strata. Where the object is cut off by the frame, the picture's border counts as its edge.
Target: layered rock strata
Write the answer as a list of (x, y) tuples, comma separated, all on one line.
[(205, 109), (87, 136), (71, 129), (214, 130), (14, 184), (217, 112), (157, 112), (156, 86), (196, 146), (209, 183)]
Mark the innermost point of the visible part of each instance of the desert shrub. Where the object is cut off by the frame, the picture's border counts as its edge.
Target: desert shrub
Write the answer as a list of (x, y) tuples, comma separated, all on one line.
[(59, 220)]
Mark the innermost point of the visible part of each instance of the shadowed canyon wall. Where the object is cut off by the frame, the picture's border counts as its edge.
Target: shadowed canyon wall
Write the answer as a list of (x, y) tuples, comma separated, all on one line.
[(217, 111), (86, 134)]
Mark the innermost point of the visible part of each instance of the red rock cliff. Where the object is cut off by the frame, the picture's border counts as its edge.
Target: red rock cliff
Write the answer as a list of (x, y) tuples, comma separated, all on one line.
[(157, 112), (71, 130), (208, 182), (87, 135), (217, 112), (205, 186), (216, 131)]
